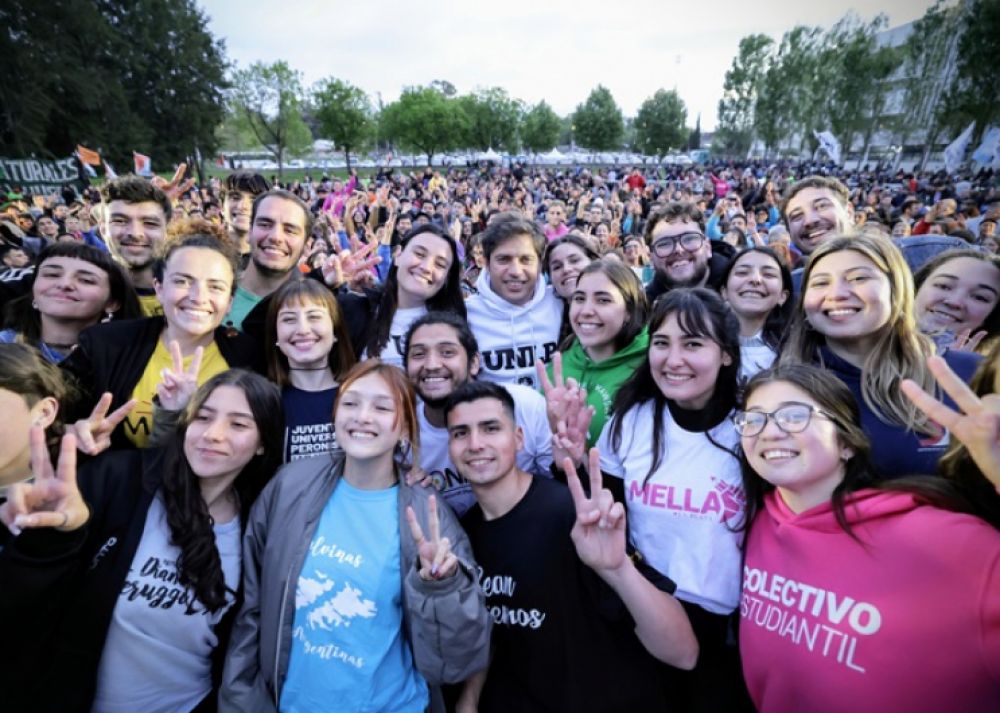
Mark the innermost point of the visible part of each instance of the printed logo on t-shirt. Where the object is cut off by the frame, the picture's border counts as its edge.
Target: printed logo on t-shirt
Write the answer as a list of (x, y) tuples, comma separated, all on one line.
[(525, 356), (820, 621), (500, 586), (935, 441), (724, 502), (157, 583), (313, 439)]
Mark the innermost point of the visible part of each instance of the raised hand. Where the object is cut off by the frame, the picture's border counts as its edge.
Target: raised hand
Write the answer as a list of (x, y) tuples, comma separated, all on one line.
[(352, 268), (93, 434), (977, 426), (599, 531), (437, 561), (52, 499), (966, 341), (556, 390), (178, 384), (176, 186), (570, 437)]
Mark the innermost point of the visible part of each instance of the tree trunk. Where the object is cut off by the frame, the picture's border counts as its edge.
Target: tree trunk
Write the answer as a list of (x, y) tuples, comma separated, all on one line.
[(347, 158), (281, 163)]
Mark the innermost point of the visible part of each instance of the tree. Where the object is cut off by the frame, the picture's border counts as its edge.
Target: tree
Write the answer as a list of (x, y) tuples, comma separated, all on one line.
[(975, 94), (269, 98), (694, 139), (540, 128), (426, 120), (660, 123), (598, 122), (737, 108), (493, 119), (343, 114)]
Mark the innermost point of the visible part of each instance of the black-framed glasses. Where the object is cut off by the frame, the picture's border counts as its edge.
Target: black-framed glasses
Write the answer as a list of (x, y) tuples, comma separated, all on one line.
[(689, 241), (790, 418)]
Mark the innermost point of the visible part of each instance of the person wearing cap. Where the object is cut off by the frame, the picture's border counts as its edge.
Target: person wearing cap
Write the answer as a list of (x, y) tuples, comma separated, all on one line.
[(991, 211)]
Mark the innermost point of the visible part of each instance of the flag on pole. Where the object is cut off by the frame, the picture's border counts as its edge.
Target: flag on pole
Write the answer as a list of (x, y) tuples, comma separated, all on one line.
[(828, 142), (88, 157), (109, 172), (955, 152), (988, 152), (143, 164), (88, 169)]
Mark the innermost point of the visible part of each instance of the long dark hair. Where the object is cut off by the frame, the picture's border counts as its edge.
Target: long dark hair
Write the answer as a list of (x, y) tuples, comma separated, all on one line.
[(775, 324), (448, 298), (27, 321), (699, 312), (838, 403), (199, 565), (634, 296)]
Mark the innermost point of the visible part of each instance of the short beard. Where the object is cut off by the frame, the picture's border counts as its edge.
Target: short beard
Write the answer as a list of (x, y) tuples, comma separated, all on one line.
[(694, 281), (269, 272)]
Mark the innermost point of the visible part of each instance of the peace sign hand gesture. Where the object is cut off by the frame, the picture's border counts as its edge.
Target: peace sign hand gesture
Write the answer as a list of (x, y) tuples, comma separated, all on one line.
[(93, 434), (174, 188), (977, 426), (599, 531), (556, 390), (570, 437), (53, 498), (437, 561), (352, 268), (179, 384)]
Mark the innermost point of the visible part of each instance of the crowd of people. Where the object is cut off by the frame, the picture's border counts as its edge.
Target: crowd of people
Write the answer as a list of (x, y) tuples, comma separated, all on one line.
[(495, 438)]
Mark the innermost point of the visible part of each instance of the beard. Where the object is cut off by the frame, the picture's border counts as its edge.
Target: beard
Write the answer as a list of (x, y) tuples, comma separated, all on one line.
[(268, 271), (696, 280)]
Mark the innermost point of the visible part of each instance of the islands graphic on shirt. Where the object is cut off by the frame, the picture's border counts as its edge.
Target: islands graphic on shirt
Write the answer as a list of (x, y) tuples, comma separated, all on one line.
[(337, 610)]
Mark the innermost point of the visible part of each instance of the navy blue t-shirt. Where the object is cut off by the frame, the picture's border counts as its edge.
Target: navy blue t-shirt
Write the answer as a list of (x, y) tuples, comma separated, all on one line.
[(308, 422)]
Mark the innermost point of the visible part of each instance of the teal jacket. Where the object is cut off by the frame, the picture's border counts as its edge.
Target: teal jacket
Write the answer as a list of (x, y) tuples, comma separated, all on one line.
[(602, 379)]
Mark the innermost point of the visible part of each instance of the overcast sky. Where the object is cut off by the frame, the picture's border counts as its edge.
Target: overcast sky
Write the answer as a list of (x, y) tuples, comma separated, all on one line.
[(557, 50)]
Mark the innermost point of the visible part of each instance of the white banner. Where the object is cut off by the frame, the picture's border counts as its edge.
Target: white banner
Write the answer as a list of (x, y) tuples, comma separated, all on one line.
[(828, 142), (988, 153), (955, 152)]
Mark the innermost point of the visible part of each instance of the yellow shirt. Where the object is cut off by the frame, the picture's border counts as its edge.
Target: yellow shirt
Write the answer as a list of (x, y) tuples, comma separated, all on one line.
[(150, 305), (139, 424)]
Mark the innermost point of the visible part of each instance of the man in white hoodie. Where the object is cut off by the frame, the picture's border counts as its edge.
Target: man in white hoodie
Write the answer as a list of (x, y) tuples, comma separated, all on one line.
[(515, 316)]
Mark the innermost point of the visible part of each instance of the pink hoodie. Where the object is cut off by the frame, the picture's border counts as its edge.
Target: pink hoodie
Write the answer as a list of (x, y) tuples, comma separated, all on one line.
[(907, 619)]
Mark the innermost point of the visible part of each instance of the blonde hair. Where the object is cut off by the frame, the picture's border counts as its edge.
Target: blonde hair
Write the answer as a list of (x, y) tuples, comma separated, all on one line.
[(900, 350)]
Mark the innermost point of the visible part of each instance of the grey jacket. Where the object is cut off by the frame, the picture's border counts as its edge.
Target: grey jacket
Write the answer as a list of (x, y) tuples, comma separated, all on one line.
[(445, 621)]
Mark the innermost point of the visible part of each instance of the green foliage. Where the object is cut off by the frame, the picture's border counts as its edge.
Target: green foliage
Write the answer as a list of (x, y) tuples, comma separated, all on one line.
[(694, 138), (426, 120), (343, 114), (598, 122), (116, 76), (737, 108), (540, 128), (493, 119), (660, 123), (975, 94), (268, 97)]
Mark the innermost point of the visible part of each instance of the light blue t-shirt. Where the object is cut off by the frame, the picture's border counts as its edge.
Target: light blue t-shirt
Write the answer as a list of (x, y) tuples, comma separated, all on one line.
[(349, 652)]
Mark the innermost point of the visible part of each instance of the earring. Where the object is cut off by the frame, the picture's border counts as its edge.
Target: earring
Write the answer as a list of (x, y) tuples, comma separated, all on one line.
[(34, 305), (108, 316)]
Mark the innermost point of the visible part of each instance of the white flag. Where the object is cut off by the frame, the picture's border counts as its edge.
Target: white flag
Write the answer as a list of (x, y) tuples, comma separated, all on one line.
[(989, 150), (955, 152), (828, 142)]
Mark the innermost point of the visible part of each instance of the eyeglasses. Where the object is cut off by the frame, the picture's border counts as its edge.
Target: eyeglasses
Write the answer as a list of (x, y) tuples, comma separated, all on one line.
[(790, 418), (688, 241)]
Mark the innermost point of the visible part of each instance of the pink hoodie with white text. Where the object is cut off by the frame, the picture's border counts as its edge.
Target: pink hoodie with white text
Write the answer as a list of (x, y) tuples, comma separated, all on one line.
[(906, 619)]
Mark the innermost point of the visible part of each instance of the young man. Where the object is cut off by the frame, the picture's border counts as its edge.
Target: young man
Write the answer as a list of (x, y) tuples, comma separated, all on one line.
[(515, 316), (575, 621), (135, 224), (240, 191), (681, 253), (440, 354), (555, 220), (817, 208)]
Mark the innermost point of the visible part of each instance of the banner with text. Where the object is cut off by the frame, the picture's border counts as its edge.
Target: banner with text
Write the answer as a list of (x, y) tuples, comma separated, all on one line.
[(38, 176)]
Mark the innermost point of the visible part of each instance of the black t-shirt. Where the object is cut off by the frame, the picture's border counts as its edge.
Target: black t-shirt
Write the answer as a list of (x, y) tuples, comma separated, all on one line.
[(562, 639)]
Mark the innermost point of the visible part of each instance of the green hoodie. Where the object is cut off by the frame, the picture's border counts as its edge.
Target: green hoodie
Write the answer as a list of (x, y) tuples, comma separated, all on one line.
[(602, 379)]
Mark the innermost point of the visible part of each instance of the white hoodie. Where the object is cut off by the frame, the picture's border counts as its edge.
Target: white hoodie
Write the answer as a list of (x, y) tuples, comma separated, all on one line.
[(511, 337)]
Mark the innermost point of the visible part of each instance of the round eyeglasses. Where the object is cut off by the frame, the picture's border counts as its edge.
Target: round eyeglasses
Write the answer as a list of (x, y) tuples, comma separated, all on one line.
[(790, 418), (689, 241)]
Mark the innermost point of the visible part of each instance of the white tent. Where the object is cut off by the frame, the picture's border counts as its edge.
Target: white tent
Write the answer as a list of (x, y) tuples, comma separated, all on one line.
[(552, 157), (488, 155)]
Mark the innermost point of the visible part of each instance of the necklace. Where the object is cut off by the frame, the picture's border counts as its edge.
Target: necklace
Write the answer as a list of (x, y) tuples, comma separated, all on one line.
[(309, 368)]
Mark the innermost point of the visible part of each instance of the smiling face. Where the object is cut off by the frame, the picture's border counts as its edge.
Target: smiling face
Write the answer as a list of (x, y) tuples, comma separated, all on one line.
[(305, 334), (513, 269), (597, 314), (806, 466), (685, 367), (68, 288), (223, 437), (367, 419), (754, 285), (958, 295), (196, 291), (134, 231), (237, 207), (422, 269), (815, 214), (565, 263), (278, 236), (681, 267), (848, 298), (483, 441), (437, 363)]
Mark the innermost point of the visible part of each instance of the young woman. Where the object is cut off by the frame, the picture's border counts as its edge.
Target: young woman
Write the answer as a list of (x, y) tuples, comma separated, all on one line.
[(356, 597), (75, 287), (425, 275), (957, 296), (670, 443), (841, 571), (856, 318), (32, 391), (564, 259), (120, 580), (607, 313), (313, 354), (758, 287), (195, 285)]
